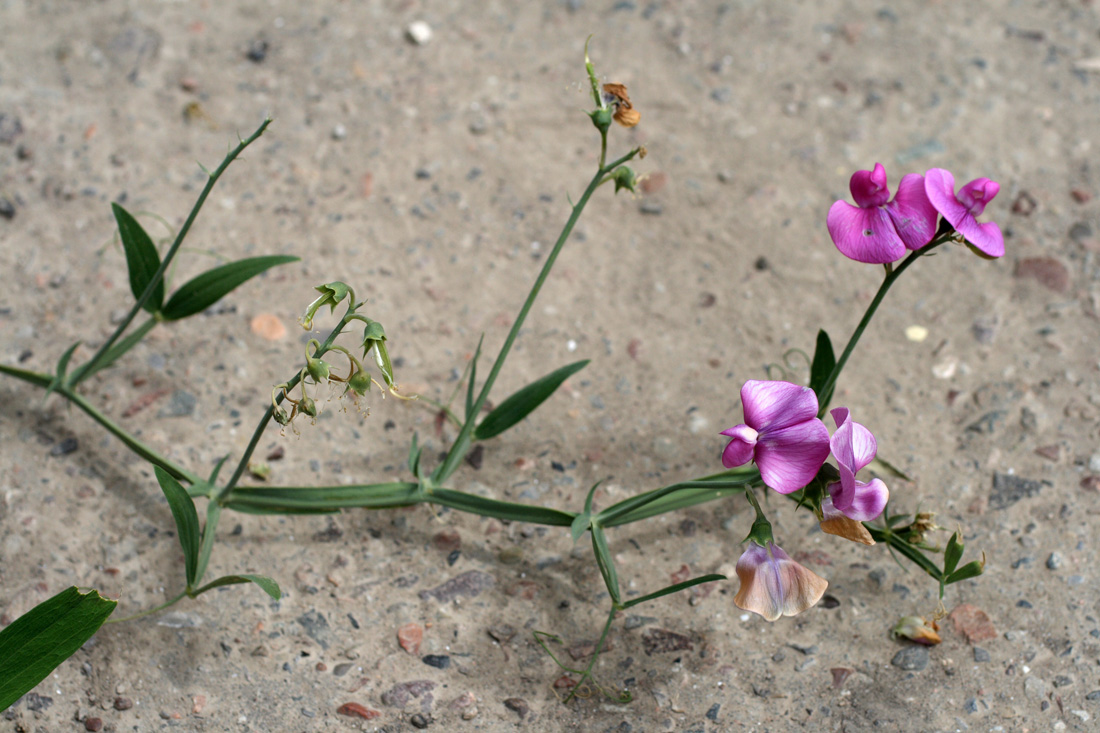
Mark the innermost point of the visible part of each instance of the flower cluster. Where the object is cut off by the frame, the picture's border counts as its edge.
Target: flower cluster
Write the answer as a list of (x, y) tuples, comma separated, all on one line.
[(783, 433), (879, 230)]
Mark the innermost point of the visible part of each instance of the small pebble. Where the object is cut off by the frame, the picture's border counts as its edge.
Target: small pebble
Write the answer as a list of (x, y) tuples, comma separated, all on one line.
[(419, 32), (93, 724), (123, 703), (911, 658), (419, 721), (439, 661), (518, 705), (1054, 561), (7, 209), (65, 447), (339, 132), (268, 327), (257, 51), (409, 637)]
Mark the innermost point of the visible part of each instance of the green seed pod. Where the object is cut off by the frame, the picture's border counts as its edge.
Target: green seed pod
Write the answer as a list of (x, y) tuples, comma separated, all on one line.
[(601, 118), (307, 406), (624, 178), (281, 417)]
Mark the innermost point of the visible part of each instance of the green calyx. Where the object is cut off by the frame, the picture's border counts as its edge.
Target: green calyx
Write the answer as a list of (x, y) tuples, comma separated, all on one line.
[(331, 294), (624, 177)]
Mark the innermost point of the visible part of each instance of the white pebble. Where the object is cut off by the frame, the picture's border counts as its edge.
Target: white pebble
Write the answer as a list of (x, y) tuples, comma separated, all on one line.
[(339, 132), (419, 32)]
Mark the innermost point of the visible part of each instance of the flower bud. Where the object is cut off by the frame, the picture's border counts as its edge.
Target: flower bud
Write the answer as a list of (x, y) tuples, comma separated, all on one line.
[(601, 118), (624, 178), (359, 382), (331, 294), (280, 416), (318, 369)]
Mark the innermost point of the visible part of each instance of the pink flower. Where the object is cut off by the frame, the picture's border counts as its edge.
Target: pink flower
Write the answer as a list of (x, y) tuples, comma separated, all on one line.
[(854, 447), (782, 434), (963, 209), (875, 231), (774, 585)]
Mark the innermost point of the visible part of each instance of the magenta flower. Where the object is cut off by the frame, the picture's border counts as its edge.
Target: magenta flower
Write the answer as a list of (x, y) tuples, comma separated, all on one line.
[(781, 433), (774, 585), (854, 447), (877, 230), (963, 209)]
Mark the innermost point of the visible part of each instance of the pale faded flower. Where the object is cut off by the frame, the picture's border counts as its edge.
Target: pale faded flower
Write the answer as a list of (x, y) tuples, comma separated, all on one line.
[(774, 585)]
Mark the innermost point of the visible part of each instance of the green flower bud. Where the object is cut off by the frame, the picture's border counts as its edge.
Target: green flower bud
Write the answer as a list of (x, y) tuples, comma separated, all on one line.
[(624, 178), (307, 406), (601, 118), (331, 294), (359, 383), (281, 417), (318, 369)]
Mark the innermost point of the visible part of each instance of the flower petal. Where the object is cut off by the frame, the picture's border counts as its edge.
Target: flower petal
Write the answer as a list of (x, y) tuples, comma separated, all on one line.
[(852, 444), (863, 502), (740, 448), (789, 458), (869, 187), (773, 585), (834, 522), (939, 184), (976, 194), (913, 214), (864, 235), (774, 405), (986, 237)]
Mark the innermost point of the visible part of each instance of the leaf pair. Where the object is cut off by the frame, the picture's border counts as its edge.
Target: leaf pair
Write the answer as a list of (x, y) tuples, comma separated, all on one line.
[(952, 554), (197, 544), (197, 294)]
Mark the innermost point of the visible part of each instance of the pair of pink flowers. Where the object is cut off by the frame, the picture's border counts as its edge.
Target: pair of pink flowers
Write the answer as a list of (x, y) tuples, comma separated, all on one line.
[(879, 230), (789, 445)]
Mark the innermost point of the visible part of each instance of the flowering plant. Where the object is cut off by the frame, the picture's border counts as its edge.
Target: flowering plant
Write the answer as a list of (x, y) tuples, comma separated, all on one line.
[(783, 444)]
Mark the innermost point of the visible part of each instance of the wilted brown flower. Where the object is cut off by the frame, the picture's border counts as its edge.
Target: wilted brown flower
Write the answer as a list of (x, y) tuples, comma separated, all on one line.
[(616, 96)]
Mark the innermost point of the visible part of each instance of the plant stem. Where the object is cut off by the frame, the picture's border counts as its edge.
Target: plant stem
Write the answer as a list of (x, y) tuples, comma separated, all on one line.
[(149, 611), (44, 381), (587, 674), (891, 276), (212, 179), (462, 441)]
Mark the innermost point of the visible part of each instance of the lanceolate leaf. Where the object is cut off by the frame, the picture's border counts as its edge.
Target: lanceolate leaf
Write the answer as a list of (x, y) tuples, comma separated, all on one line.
[(141, 258), (45, 636), (203, 291), (268, 585), (187, 521), (522, 403), (822, 367)]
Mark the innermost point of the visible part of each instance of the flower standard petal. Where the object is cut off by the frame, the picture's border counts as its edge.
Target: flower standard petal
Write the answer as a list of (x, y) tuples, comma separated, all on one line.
[(864, 234), (774, 405), (741, 446), (913, 214), (789, 458)]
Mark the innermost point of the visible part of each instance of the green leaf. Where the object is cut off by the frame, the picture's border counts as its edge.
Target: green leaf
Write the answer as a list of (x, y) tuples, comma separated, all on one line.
[(187, 521), (141, 258), (268, 585), (414, 456), (473, 381), (213, 512), (970, 570), (952, 554), (579, 526), (822, 367), (45, 636), (605, 563), (674, 589), (203, 291), (520, 404)]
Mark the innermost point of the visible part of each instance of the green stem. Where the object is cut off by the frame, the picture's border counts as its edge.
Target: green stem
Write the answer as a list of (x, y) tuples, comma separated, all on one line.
[(613, 515), (148, 612), (180, 236), (44, 381), (587, 674), (462, 441), (891, 276)]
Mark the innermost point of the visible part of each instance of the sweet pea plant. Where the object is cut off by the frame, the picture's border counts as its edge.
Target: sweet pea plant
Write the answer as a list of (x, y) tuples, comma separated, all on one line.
[(783, 444)]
